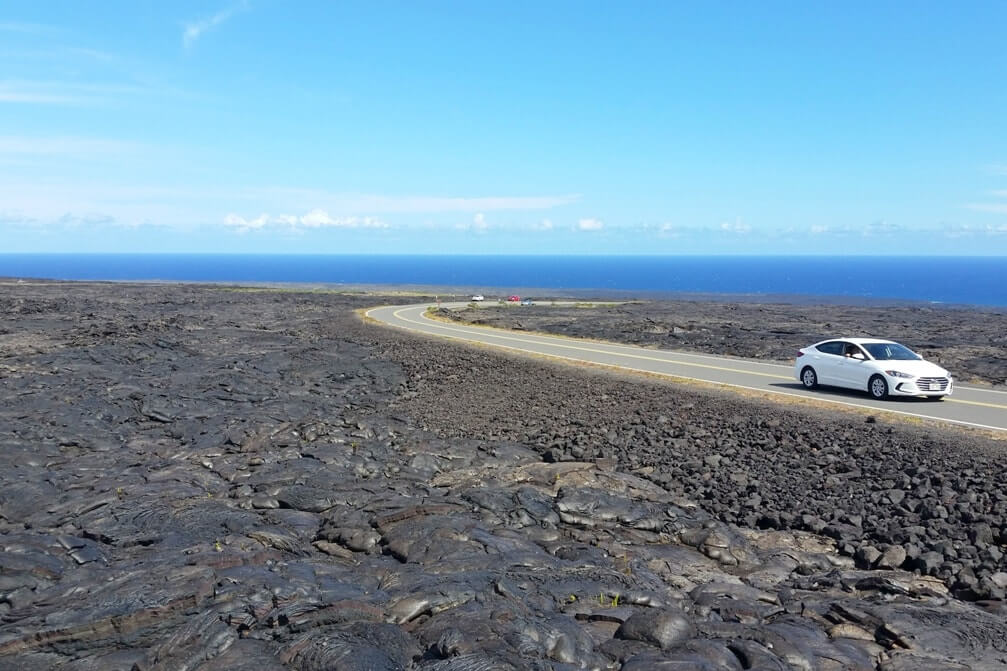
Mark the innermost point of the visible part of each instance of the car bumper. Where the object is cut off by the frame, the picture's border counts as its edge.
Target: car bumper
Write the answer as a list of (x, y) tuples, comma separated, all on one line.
[(920, 386)]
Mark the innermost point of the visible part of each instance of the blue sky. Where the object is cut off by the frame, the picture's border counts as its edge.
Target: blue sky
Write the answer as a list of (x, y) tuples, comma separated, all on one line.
[(503, 127)]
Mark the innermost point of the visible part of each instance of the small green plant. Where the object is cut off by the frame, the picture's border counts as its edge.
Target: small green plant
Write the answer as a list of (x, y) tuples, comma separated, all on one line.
[(612, 602)]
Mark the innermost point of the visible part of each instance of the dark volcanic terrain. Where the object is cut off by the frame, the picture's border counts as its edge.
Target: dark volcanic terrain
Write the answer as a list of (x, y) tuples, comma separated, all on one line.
[(217, 478)]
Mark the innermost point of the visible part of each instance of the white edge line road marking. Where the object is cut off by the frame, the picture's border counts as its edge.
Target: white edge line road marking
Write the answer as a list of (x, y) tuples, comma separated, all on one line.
[(501, 334), (482, 329), (676, 353), (563, 342), (696, 379)]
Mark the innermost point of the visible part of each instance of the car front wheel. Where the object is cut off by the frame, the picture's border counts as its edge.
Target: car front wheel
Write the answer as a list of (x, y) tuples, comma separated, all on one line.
[(878, 387), (809, 378)]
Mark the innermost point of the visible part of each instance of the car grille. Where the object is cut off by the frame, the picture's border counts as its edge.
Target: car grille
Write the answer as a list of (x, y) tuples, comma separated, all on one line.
[(927, 383)]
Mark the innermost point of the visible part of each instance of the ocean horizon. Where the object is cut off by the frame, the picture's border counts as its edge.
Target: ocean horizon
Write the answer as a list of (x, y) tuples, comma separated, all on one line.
[(960, 280)]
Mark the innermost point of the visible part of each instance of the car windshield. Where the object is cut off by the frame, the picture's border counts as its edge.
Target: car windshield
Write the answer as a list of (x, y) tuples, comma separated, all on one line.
[(890, 351)]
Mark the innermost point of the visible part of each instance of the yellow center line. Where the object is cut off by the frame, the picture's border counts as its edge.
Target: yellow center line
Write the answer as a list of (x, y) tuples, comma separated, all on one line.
[(985, 405)]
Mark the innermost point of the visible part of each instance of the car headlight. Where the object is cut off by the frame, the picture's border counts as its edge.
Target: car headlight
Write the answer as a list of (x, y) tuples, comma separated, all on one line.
[(897, 373)]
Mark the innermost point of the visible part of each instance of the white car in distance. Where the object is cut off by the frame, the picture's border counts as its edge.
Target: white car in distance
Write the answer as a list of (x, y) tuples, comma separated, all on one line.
[(882, 368), (477, 298)]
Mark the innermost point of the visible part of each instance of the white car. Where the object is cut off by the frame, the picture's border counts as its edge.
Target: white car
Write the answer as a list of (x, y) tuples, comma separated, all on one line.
[(477, 298), (881, 367)]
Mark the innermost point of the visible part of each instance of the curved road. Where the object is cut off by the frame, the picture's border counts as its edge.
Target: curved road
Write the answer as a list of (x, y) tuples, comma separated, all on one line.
[(969, 406)]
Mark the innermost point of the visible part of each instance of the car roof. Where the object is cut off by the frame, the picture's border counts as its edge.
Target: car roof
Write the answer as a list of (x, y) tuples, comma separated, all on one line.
[(861, 341)]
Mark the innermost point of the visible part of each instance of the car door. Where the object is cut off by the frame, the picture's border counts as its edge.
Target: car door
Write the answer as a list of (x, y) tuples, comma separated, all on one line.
[(827, 357), (860, 369), (852, 369)]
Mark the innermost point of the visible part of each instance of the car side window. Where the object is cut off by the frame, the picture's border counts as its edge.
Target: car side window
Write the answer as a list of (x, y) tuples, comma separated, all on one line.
[(853, 351), (831, 347)]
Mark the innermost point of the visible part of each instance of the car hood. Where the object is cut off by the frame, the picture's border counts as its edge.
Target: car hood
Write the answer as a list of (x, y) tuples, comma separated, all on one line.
[(917, 368)]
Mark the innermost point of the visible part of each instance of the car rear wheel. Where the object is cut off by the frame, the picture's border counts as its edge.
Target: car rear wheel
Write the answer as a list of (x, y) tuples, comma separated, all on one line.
[(809, 378), (878, 387)]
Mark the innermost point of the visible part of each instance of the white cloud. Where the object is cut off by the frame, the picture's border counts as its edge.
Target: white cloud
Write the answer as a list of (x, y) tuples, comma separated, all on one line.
[(956, 231), (881, 227), (999, 193), (479, 222), (590, 225), (818, 229), (544, 225), (316, 218), (194, 29), (668, 230), (246, 224), (736, 227)]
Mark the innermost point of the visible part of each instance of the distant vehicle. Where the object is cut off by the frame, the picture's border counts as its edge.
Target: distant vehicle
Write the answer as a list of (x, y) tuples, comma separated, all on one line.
[(513, 299), (477, 298), (882, 368), (527, 301)]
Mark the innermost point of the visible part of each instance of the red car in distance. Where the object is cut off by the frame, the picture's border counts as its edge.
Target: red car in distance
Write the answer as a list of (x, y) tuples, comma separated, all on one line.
[(513, 299)]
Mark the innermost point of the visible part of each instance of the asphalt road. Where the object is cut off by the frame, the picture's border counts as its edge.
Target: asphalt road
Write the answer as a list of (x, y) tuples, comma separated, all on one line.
[(969, 406)]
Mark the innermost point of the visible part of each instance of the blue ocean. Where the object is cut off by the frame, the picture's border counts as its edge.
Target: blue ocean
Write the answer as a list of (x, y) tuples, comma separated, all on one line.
[(935, 279)]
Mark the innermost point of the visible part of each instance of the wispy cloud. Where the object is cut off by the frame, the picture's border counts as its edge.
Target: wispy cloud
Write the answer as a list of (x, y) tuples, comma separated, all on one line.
[(995, 208), (381, 203), (590, 225), (175, 204), (20, 145), (194, 29), (316, 218), (16, 217), (39, 93), (63, 93), (881, 227), (23, 27), (999, 193)]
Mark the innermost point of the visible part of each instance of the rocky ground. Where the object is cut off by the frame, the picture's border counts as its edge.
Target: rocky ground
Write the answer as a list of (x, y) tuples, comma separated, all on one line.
[(209, 478), (971, 343)]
